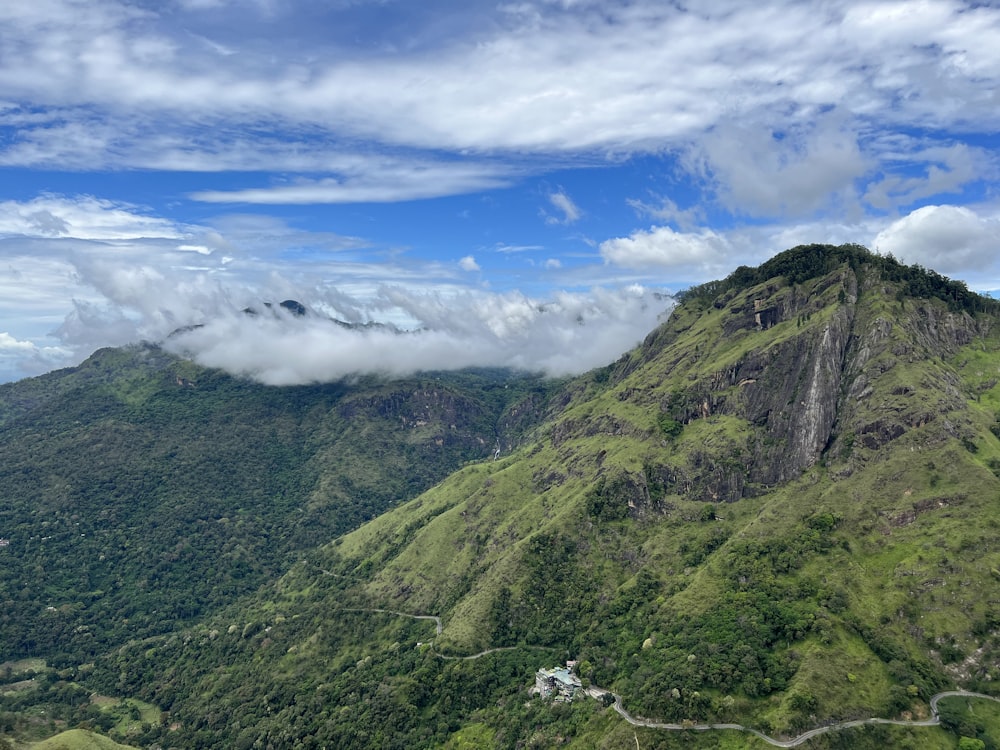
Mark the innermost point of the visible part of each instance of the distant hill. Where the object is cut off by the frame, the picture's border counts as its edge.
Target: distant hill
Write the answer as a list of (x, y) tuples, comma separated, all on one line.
[(780, 511), (79, 739), (141, 491)]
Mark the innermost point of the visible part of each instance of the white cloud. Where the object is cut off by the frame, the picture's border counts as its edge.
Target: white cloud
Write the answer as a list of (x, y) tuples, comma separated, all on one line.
[(133, 87), (794, 172), (85, 273), (129, 276), (19, 358), (569, 212), (662, 247), (202, 4), (567, 334), (811, 114), (953, 240), (506, 249), (10, 344), (666, 210), (943, 169), (374, 181), (84, 218)]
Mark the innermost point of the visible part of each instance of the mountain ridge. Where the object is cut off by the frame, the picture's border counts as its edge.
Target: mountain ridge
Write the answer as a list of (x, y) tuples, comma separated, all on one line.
[(778, 511), (151, 489)]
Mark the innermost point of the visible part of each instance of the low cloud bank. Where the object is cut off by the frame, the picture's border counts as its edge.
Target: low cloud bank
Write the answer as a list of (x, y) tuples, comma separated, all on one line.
[(567, 335)]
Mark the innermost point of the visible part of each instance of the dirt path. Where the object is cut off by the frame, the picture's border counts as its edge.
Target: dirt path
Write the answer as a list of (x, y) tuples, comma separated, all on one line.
[(437, 620)]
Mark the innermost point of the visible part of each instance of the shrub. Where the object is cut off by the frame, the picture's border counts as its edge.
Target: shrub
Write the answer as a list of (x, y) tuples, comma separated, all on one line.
[(670, 427)]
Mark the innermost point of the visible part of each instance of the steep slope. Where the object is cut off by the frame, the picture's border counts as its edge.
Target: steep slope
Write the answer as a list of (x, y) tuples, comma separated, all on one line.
[(139, 490), (780, 510), (825, 384)]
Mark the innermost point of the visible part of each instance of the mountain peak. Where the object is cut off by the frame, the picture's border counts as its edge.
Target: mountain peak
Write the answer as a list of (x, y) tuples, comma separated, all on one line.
[(804, 262)]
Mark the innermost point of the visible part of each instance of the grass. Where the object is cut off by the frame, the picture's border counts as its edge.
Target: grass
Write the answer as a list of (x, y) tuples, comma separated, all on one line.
[(21, 666), (79, 739), (19, 676), (843, 673), (130, 713), (471, 737)]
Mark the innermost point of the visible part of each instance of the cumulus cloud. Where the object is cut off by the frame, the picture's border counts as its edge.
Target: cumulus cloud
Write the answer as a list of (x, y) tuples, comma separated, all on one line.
[(10, 344), (468, 263), (953, 240), (20, 358), (662, 247)]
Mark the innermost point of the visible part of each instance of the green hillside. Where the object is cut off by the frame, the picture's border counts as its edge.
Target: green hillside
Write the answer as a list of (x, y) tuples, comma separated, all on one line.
[(79, 739), (779, 512), (139, 491)]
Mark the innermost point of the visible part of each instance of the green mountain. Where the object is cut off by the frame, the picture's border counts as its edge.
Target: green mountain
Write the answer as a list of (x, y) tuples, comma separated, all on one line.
[(779, 512), (139, 491)]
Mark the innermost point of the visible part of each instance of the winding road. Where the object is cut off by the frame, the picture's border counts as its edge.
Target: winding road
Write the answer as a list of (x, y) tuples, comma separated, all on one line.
[(599, 693), (934, 721)]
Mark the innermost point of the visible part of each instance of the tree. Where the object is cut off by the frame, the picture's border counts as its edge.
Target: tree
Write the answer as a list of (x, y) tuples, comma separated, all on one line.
[(670, 428)]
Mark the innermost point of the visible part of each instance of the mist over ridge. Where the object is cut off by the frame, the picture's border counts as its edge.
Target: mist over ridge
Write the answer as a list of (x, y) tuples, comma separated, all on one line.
[(566, 336)]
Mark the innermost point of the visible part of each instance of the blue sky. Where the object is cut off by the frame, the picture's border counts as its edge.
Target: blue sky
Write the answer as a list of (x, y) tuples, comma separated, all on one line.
[(522, 182)]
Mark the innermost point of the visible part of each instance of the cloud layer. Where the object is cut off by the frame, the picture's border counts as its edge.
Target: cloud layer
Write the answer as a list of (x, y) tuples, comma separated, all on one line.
[(516, 183), (783, 104), (133, 276), (567, 335)]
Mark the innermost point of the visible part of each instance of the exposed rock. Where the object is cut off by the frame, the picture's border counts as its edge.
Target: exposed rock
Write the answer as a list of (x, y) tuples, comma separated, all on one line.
[(817, 390)]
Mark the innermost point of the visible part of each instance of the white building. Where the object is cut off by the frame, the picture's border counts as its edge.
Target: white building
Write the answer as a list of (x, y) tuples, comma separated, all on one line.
[(559, 684)]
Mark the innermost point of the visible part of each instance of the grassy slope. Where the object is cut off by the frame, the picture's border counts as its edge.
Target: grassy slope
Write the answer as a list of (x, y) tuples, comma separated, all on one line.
[(858, 588), (916, 523), (79, 739)]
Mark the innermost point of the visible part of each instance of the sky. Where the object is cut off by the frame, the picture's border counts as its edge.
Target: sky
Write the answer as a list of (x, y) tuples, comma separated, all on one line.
[(518, 183)]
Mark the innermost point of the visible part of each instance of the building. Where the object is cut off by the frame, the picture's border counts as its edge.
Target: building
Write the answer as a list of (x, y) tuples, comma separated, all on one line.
[(559, 684)]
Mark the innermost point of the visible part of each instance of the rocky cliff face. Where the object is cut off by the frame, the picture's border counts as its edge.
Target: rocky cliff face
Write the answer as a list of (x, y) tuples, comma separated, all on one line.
[(808, 366)]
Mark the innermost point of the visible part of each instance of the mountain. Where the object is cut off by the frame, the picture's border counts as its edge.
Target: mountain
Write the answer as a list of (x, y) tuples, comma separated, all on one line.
[(141, 491), (780, 511)]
